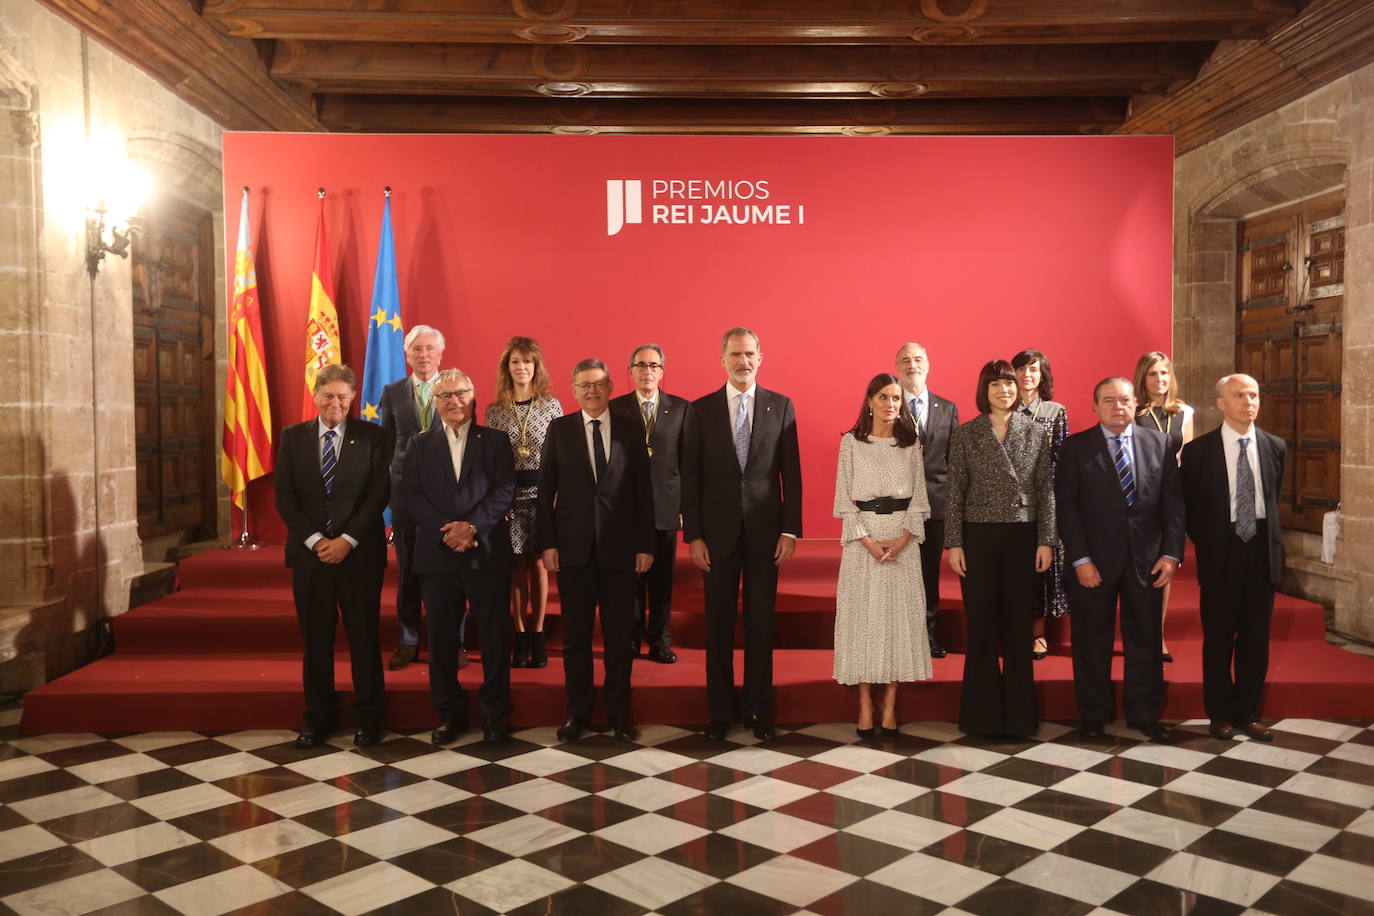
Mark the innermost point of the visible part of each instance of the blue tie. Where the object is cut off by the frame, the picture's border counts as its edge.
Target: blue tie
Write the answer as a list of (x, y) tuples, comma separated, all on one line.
[(327, 462), (742, 432), (1124, 471)]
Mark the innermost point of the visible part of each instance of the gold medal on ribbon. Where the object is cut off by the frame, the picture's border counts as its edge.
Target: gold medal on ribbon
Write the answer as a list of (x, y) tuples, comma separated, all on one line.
[(650, 450), (523, 451)]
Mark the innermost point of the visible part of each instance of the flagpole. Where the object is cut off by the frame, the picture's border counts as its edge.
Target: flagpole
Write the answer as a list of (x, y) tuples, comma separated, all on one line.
[(244, 541), (390, 531)]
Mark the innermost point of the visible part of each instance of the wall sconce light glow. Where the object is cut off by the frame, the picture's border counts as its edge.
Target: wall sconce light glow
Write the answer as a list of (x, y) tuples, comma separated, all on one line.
[(114, 190)]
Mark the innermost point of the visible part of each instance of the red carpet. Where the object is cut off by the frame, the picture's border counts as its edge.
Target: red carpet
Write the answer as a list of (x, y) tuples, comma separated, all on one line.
[(223, 653)]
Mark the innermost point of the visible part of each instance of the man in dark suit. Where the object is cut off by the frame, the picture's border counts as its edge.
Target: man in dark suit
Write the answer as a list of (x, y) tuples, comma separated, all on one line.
[(408, 408), (594, 523), (1120, 514), (660, 416), (741, 516), (935, 418), (457, 485), (1231, 482), (332, 486)]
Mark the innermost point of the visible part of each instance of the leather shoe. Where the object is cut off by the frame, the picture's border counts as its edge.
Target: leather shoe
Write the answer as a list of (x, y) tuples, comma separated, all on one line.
[(494, 731), (1092, 730), (717, 729), (462, 659), (664, 656), (937, 650), (1257, 732), (763, 729), (1155, 731), (449, 731), (865, 734), (624, 729), (1221, 730), (308, 739), (572, 729), (367, 737), (403, 656)]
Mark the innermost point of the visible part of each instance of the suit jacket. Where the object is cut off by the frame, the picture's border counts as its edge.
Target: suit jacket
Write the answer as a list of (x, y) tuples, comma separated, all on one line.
[(362, 487), (605, 522), (1207, 497), (401, 419), (993, 482), (667, 444), (717, 498), (942, 418), (1090, 508), (431, 497)]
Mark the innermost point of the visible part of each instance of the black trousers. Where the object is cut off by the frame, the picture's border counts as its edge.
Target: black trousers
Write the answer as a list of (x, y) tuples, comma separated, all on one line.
[(1094, 627), (323, 593), (407, 583), (581, 590), (654, 595), (752, 565), (999, 600), (932, 551), (1236, 612), (485, 595)]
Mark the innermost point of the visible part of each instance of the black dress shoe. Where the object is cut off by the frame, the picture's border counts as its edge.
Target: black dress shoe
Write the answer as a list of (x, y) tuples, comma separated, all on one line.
[(624, 729), (449, 731), (494, 731), (1155, 731), (1167, 657), (1221, 730), (937, 650), (664, 656), (1257, 732), (403, 656), (717, 729), (763, 729), (572, 729), (308, 739), (367, 737), (1091, 730)]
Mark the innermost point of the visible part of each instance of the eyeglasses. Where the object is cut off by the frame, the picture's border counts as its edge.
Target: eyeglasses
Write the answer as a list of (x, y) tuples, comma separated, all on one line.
[(588, 386), (644, 365), (450, 395)]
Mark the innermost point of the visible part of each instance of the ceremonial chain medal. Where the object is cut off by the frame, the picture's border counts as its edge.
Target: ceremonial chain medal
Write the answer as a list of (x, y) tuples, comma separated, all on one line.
[(1168, 424), (523, 450), (648, 432)]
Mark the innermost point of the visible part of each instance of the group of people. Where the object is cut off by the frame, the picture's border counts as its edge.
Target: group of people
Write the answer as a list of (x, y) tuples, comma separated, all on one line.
[(1036, 523)]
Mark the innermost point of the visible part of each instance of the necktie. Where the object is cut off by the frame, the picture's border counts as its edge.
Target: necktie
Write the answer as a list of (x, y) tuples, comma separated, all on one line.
[(920, 420), (598, 450), (422, 390), (647, 407), (742, 432), (327, 461), (1124, 470), (1245, 493)]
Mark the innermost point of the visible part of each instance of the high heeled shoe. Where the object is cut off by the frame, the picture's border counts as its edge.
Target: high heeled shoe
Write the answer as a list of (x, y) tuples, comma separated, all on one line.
[(1039, 648), (866, 734), (889, 733)]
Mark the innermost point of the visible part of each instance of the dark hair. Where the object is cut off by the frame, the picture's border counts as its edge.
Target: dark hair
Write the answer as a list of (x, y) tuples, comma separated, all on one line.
[(587, 365), (1025, 358), (993, 371), (739, 332), (1097, 389), (904, 430)]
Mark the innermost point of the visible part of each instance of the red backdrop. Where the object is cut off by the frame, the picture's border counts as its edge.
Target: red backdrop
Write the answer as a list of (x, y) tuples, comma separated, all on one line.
[(975, 247)]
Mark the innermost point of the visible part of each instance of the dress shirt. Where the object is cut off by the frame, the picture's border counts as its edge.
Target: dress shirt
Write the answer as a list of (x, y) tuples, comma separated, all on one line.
[(732, 397), (1230, 446), (457, 441), (320, 428), (605, 419), (919, 414)]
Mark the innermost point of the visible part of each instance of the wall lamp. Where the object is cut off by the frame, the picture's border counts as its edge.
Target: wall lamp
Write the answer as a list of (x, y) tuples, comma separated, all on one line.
[(97, 246)]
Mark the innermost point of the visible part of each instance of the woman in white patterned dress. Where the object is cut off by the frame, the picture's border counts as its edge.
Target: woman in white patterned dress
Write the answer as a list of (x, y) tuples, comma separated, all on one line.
[(880, 495)]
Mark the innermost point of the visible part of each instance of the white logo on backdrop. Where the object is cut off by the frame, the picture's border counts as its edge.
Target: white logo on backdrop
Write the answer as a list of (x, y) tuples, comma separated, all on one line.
[(697, 202), (623, 204)]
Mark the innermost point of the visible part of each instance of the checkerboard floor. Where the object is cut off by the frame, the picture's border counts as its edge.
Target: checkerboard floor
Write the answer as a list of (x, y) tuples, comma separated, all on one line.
[(812, 822)]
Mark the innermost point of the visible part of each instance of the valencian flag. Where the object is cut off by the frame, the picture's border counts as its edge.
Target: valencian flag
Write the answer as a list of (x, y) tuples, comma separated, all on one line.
[(247, 413), (386, 358), (322, 326)]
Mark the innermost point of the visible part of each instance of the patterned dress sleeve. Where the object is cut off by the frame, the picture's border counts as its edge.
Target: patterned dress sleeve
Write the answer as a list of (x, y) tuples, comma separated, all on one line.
[(845, 510)]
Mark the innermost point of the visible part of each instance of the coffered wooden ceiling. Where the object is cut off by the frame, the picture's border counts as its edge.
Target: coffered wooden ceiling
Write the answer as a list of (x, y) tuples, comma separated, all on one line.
[(1193, 68)]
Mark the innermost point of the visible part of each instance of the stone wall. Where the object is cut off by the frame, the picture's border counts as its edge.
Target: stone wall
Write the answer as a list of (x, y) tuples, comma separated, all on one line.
[(1320, 142), (68, 530)]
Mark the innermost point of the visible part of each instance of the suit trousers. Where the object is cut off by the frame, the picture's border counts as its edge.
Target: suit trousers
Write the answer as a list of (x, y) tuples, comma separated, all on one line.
[(485, 594), (323, 593), (999, 601), (752, 564), (1236, 612), (932, 551), (581, 590), (408, 589), (1094, 626), (654, 595)]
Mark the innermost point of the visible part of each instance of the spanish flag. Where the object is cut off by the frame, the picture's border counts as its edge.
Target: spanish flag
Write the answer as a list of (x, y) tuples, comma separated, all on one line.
[(322, 327), (247, 413)]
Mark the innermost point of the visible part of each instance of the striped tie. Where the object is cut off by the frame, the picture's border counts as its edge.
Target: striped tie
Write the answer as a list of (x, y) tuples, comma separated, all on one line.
[(1124, 471), (742, 432), (327, 462)]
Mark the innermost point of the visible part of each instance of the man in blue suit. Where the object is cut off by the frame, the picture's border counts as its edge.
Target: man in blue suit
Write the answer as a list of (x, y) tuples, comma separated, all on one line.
[(457, 485)]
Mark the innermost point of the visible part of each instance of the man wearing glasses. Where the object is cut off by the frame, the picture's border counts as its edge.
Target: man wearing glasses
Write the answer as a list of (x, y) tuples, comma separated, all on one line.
[(457, 484), (660, 415), (594, 522)]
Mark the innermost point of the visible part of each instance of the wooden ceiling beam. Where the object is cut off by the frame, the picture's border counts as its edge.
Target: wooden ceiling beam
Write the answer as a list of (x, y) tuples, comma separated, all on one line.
[(393, 114), (732, 72), (220, 75), (754, 22), (1249, 79)]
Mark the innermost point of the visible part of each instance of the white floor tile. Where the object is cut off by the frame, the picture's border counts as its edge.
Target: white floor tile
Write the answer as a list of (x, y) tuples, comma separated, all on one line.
[(254, 738), (1026, 828), (180, 802), (1355, 753), (961, 757), (535, 794), (524, 835), (754, 760), (933, 731), (653, 735), (857, 758), (1349, 878), (776, 831), (154, 741), (544, 762), (1333, 731), (1103, 788), (839, 732), (1218, 788), (1336, 790), (393, 838), (19, 767), (1213, 879), (267, 840), (222, 892), (932, 878), (649, 794), (1064, 755), (225, 767), (1151, 828), (1166, 755), (795, 881), (439, 763), (371, 887), (1275, 828), (1073, 878), (44, 744), (18, 842), (878, 790), (304, 799), (907, 831), (652, 882), (509, 885), (651, 833), (420, 796), (1268, 755), (331, 766), (113, 768), (75, 896), (60, 804), (1363, 825), (989, 788), (764, 792), (649, 761), (136, 843)]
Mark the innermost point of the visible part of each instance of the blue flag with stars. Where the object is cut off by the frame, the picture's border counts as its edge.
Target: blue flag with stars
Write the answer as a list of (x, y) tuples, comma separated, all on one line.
[(385, 361)]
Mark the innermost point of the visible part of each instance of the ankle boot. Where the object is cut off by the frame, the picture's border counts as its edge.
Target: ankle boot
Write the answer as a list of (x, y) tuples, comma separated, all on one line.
[(520, 658), (539, 658)]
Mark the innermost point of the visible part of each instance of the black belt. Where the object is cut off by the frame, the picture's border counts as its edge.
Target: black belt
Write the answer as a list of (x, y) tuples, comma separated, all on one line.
[(527, 478), (883, 505)]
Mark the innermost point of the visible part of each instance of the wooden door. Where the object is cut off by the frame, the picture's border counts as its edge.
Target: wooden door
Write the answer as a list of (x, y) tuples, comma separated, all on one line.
[(1291, 293), (174, 365)]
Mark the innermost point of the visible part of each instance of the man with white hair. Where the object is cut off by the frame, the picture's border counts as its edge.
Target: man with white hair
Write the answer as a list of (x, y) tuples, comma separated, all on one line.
[(1231, 482)]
